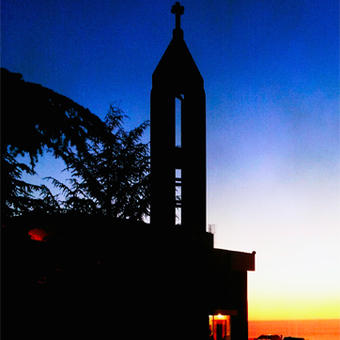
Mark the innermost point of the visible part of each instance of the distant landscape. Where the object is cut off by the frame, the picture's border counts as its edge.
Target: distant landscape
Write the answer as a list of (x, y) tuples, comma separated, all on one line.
[(308, 329)]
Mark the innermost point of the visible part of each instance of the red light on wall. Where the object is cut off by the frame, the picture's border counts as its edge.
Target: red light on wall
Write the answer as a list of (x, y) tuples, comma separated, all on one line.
[(38, 234), (219, 327)]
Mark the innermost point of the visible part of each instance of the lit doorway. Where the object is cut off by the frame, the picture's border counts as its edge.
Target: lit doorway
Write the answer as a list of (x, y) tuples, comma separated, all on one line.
[(219, 326)]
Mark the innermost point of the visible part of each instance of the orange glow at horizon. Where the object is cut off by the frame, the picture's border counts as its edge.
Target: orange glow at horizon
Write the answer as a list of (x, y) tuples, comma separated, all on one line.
[(293, 308), (294, 228), (294, 286)]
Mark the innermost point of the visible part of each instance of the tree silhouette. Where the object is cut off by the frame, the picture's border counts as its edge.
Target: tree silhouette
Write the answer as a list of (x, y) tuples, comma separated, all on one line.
[(111, 176), (18, 196), (109, 166), (34, 117)]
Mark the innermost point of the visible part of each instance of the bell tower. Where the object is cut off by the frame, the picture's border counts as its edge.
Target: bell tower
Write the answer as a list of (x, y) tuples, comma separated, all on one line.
[(178, 138)]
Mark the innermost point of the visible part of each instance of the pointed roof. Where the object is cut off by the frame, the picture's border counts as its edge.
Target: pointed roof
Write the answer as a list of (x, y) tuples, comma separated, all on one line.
[(177, 68)]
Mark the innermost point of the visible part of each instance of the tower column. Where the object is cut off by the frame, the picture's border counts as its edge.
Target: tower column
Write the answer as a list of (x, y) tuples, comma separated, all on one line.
[(162, 158), (194, 160), (177, 76)]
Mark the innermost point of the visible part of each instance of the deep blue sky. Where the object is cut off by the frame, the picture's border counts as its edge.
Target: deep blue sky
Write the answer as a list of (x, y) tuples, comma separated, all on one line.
[(253, 55), (271, 71)]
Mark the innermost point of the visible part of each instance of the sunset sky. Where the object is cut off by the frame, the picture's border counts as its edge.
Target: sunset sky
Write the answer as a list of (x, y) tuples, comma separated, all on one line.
[(271, 72)]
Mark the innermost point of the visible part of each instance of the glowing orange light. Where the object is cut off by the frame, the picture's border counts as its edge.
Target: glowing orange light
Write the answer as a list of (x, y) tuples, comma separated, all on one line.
[(220, 317), (219, 324), (38, 234)]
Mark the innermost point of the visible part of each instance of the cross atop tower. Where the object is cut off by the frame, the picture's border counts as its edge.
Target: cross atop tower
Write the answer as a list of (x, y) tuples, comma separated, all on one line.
[(178, 10)]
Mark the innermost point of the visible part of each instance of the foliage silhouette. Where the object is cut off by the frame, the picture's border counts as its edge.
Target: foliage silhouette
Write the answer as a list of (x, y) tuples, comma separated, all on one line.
[(111, 176), (18, 196), (34, 117), (109, 166)]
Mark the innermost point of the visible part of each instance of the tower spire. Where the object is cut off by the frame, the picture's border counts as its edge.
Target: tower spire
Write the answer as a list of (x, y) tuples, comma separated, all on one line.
[(178, 10), (178, 137)]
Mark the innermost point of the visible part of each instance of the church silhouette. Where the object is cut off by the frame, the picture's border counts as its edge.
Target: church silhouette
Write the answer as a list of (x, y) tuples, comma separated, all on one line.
[(100, 278), (205, 286)]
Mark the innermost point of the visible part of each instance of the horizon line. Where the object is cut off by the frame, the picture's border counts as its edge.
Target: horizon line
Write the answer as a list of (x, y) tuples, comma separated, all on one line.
[(311, 319)]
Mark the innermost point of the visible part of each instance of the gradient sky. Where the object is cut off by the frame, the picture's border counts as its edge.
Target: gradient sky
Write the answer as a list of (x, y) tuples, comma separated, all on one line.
[(271, 71)]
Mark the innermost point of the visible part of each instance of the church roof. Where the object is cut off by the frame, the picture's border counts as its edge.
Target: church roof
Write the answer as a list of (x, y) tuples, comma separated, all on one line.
[(177, 65)]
